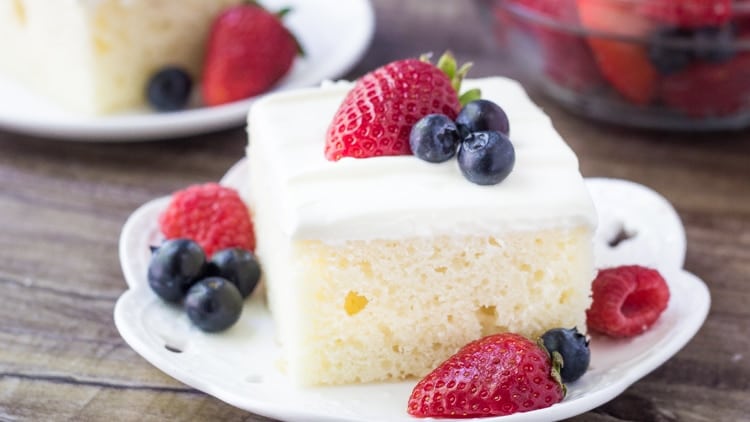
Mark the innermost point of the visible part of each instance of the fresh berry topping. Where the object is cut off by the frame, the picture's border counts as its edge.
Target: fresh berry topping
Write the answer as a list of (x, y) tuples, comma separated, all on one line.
[(486, 158), (239, 266), (376, 116), (482, 116), (624, 64), (212, 215), (249, 50), (213, 304), (434, 138), (573, 348), (169, 89), (627, 300), (687, 13), (174, 267), (497, 375)]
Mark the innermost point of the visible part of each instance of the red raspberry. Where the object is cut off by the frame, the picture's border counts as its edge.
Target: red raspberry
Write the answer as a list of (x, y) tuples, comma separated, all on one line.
[(212, 215), (627, 300)]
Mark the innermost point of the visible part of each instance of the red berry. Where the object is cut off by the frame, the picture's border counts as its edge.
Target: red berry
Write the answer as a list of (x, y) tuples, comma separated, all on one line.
[(627, 300), (497, 375), (687, 13), (248, 51), (214, 216), (624, 64), (376, 116)]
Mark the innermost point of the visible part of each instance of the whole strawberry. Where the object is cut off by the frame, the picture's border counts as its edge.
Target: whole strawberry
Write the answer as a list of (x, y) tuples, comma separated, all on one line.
[(376, 116), (497, 375), (626, 300), (213, 216), (248, 51)]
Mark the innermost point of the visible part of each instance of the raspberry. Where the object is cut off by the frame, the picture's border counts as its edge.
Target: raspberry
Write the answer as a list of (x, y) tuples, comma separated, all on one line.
[(627, 300), (212, 215)]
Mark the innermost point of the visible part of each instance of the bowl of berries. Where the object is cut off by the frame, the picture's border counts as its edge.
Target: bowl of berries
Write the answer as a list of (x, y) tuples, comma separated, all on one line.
[(664, 64)]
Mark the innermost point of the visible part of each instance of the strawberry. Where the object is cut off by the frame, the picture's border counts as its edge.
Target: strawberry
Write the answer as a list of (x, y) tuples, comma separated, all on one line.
[(497, 375), (213, 216), (248, 51), (687, 13), (627, 300), (567, 57), (625, 64), (376, 116)]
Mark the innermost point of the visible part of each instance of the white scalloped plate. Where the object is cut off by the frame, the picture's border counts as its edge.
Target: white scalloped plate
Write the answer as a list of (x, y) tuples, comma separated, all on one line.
[(318, 24), (240, 367)]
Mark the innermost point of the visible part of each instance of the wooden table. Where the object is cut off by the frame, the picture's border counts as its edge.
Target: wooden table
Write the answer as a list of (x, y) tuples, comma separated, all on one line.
[(62, 205)]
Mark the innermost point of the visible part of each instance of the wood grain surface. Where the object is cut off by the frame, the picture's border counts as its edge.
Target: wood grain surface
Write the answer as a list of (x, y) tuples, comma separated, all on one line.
[(62, 205)]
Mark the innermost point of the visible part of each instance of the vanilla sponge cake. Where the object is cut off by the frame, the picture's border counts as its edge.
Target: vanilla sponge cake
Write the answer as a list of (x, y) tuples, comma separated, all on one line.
[(96, 56), (380, 268)]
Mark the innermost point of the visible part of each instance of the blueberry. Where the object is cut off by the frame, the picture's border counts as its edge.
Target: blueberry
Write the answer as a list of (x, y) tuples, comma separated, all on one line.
[(573, 347), (670, 50), (174, 267), (169, 89), (213, 304), (482, 116), (434, 138), (486, 158), (237, 265), (715, 44)]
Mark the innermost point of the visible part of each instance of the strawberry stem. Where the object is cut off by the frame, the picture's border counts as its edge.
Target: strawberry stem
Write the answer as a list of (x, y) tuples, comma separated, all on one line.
[(447, 63), (283, 12), (556, 361)]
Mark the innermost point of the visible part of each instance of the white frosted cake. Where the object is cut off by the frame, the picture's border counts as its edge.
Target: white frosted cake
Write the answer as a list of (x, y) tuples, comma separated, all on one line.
[(381, 268), (96, 56)]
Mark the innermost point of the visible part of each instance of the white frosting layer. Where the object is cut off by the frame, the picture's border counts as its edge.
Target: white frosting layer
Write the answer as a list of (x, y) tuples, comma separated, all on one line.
[(403, 196)]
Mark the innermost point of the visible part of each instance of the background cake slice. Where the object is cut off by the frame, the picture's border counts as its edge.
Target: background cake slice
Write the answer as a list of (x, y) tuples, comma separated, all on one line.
[(96, 56), (380, 268)]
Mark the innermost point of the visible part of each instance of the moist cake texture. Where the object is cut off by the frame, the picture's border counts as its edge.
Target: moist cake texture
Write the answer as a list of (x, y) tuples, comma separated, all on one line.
[(96, 56), (379, 269)]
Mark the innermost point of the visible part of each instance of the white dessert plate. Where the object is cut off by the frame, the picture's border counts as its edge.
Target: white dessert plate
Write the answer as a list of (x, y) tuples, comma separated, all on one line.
[(240, 366), (335, 34)]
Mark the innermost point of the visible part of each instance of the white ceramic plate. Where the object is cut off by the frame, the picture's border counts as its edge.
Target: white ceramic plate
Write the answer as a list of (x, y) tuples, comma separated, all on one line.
[(335, 34), (239, 366)]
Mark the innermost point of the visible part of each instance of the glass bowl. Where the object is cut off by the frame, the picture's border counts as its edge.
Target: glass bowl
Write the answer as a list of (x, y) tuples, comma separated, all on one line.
[(666, 64)]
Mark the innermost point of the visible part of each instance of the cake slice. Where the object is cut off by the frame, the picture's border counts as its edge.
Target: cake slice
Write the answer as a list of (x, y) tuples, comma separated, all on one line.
[(380, 268), (96, 56)]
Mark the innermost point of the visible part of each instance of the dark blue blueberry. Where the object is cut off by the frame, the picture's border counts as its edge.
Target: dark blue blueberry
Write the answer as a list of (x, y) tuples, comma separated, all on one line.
[(482, 116), (434, 138), (573, 347), (715, 44), (213, 304), (486, 158), (671, 50), (174, 267), (169, 89), (237, 265)]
